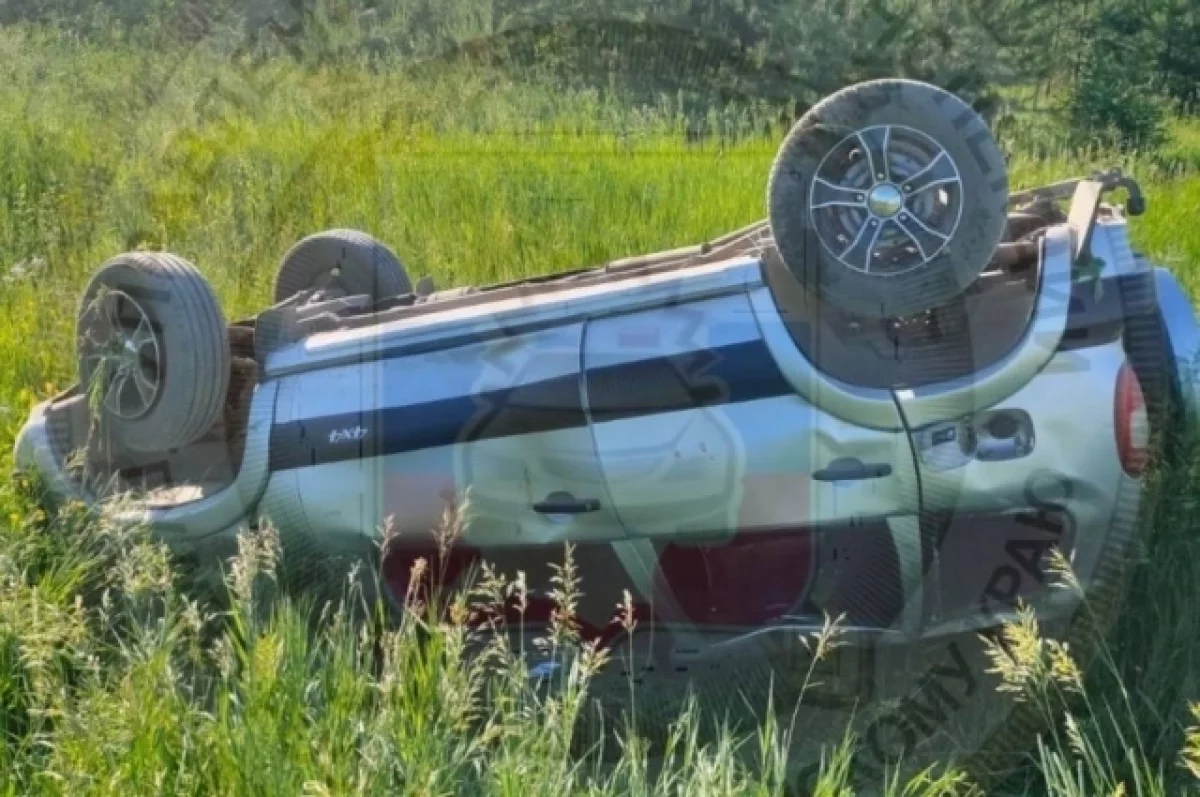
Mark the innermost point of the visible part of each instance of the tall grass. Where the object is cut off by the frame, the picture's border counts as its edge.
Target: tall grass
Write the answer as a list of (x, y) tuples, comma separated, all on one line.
[(115, 679), (142, 691)]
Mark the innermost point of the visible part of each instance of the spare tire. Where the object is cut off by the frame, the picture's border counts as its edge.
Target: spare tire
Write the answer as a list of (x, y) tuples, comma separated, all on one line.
[(888, 198), (153, 350), (347, 262)]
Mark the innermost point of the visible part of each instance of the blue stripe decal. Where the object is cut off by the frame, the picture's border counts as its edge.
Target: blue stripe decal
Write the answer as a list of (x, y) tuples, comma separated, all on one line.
[(736, 373), (731, 374)]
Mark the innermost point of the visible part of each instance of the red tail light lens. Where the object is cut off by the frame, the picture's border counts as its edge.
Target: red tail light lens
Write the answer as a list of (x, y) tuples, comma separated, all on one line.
[(1131, 422)]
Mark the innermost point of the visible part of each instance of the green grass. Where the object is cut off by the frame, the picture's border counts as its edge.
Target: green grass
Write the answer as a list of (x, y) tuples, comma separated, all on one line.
[(470, 177)]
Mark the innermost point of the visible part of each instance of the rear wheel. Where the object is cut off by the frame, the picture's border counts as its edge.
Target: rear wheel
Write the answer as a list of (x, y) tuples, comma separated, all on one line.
[(345, 262), (153, 351)]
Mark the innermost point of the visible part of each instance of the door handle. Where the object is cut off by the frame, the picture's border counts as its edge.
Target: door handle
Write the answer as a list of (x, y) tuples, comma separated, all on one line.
[(566, 504), (852, 470)]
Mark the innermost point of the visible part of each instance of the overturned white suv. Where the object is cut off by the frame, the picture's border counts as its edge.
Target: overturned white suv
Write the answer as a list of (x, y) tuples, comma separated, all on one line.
[(888, 401)]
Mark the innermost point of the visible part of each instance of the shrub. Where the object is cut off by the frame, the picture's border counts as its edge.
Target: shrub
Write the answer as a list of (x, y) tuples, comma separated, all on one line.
[(1111, 106), (1113, 98)]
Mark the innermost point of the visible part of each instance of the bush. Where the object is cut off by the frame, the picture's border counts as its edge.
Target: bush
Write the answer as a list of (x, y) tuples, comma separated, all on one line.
[(1113, 99), (1179, 54), (1109, 108)]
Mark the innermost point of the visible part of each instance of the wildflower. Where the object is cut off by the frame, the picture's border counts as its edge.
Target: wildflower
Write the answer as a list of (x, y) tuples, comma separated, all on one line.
[(258, 553), (1075, 736), (1025, 661), (520, 590), (24, 270), (1191, 744), (565, 595), (1017, 657), (412, 600), (1064, 574), (1063, 668), (825, 639), (625, 612)]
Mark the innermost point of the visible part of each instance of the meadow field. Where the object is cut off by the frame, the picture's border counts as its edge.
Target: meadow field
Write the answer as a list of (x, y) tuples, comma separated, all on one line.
[(115, 678)]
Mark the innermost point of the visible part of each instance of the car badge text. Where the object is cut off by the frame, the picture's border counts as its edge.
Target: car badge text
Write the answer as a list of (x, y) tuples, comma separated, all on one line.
[(350, 435)]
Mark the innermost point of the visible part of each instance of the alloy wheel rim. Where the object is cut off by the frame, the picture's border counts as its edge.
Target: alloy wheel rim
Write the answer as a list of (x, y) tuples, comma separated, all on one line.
[(122, 351), (886, 200)]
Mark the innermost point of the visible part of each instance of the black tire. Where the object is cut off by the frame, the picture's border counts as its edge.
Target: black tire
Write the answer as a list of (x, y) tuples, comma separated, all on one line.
[(349, 260), (182, 349), (970, 209)]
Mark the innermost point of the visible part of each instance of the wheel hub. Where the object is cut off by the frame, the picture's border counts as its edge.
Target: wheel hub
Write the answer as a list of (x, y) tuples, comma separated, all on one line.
[(885, 200)]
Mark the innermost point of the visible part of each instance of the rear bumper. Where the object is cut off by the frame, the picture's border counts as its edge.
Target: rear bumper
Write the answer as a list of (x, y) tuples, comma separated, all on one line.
[(45, 442), (990, 564), (35, 453)]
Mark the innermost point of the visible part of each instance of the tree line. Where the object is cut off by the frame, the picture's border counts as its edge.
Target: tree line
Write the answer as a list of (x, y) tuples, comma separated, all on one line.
[(1108, 68)]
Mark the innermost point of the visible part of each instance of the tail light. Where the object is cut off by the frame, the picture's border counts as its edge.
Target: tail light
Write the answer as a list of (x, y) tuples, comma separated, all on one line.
[(1131, 423)]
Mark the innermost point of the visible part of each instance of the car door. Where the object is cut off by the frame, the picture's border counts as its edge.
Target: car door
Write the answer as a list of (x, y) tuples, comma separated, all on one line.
[(744, 502), (526, 459), (492, 422), (699, 432)]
